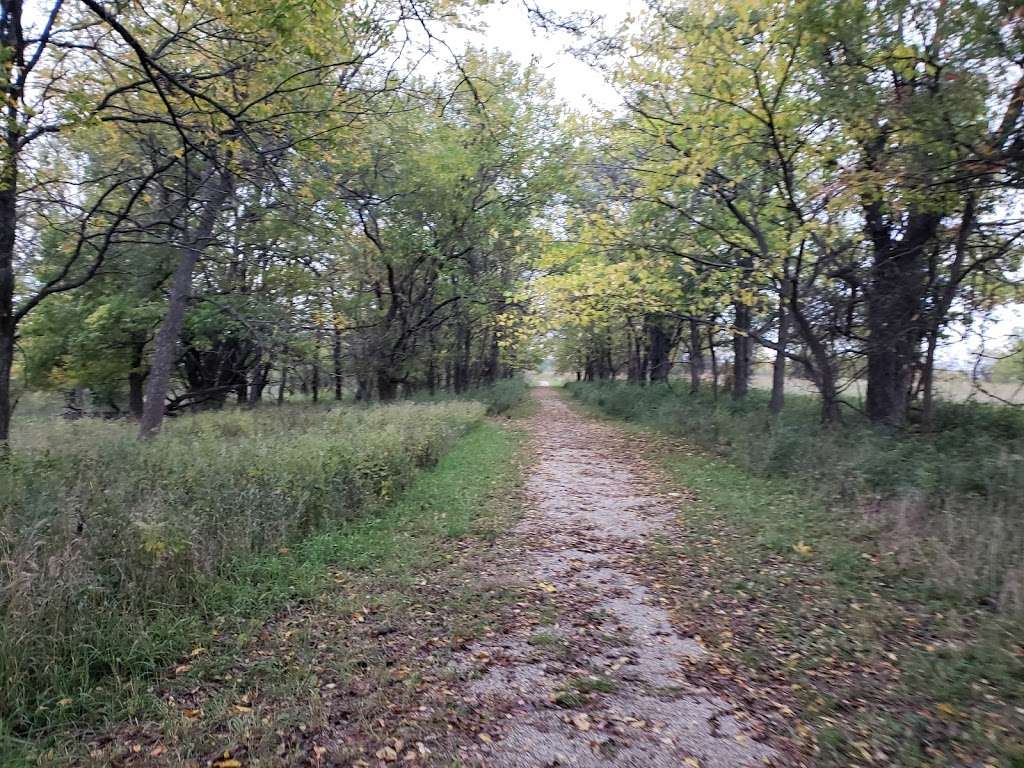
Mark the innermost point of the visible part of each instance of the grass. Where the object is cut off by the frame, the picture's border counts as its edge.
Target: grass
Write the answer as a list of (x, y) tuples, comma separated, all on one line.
[(112, 553), (949, 502), (868, 655), (351, 608)]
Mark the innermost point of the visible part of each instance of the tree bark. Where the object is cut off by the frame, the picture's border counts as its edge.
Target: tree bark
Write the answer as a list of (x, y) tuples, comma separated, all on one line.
[(166, 342), (714, 361), (660, 352), (742, 347), (385, 385), (696, 357), (894, 315), (137, 382), (778, 398), (336, 355)]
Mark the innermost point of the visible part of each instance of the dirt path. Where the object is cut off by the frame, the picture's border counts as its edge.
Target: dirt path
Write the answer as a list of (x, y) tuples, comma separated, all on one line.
[(588, 675)]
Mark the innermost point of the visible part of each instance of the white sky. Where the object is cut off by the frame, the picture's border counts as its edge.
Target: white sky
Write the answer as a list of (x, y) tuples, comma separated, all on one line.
[(506, 25)]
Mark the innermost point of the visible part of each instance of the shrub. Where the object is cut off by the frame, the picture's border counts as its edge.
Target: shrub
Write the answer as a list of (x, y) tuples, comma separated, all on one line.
[(106, 543), (499, 398)]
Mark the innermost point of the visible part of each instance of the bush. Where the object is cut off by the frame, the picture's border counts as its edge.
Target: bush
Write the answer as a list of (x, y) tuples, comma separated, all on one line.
[(499, 398), (949, 502), (106, 544)]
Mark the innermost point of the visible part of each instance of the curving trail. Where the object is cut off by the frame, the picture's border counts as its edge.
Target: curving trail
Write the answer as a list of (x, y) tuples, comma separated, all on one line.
[(594, 682)]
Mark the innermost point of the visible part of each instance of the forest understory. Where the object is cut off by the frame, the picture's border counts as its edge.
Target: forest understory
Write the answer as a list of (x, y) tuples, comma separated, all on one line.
[(565, 591)]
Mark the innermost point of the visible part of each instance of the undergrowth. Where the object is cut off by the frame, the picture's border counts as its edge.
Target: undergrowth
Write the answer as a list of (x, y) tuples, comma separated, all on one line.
[(111, 550), (948, 504), (797, 566)]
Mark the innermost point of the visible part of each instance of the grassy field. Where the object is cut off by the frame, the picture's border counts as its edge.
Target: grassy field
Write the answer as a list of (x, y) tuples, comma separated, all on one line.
[(120, 561), (799, 568)]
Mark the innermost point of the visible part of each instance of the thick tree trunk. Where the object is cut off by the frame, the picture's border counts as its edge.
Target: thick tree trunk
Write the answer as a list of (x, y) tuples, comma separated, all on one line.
[(284, 382), (742, 348), (6, 361), (137, 382), (166, 342), (660, 355), (633, 368), (778, 398), (261, 373), (386, 388), (362, 388), (696, 357), (895, 315), (8, 231)]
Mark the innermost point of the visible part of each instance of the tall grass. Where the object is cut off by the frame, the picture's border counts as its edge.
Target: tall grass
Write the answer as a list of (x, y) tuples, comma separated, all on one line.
[(499, 398), (107, 545), (949, 504)]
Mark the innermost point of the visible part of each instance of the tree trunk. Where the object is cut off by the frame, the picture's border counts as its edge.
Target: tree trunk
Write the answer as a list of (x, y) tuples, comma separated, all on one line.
[(696, 357), (385, 385), (895, 316), (166, 342), (928, 382), (336, 354), (284, 382), (660, 356), (464, 352), (742, 346), (714, 361), (778, 398), (6, 360), (8, 233), (821, 368), (137, 382)]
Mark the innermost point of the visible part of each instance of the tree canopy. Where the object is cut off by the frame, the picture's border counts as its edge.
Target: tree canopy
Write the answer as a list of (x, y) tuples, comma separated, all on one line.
[(210, 200)]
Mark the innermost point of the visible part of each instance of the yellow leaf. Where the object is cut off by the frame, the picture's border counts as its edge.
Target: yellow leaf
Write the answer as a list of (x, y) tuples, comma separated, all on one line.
[(547, 586), (802, 549), (946, 710)]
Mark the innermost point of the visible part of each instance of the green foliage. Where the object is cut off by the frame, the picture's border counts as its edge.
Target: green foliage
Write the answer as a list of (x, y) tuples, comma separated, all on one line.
[(107, 545), (500, 398)]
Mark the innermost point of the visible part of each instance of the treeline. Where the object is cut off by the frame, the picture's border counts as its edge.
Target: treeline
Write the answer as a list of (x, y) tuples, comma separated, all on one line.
[(234, 201), (835, 182)]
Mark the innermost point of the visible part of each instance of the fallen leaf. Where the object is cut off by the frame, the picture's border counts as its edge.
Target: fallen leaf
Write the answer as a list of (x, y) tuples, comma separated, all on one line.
[(387, 754), (581, 721), (547, 586)]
